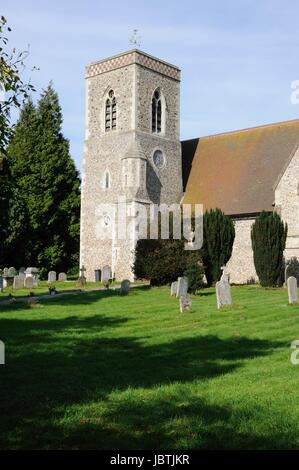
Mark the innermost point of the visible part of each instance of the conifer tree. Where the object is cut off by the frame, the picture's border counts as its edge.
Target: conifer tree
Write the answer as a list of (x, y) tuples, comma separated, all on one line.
[(48, 182), (268, 237), (12, 220), (218, 240)]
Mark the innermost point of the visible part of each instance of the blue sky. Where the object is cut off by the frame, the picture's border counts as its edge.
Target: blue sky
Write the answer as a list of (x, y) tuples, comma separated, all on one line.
[(238, 57)]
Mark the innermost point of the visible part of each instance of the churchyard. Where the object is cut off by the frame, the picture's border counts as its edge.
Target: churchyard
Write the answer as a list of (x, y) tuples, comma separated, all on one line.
[(103, 370)]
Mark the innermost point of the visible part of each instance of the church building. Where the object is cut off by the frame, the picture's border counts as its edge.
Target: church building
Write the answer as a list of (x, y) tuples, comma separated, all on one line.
[(133, 150)]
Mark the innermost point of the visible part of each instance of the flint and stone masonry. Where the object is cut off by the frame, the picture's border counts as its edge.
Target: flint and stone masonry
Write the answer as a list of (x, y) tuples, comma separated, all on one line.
[(125, 153)]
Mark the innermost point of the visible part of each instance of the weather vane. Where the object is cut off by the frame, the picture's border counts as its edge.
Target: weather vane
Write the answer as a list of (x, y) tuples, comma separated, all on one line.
[(135, 39)]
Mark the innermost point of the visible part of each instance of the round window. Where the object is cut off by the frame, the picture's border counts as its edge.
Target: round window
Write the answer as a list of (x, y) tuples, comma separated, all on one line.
[(158, 158)]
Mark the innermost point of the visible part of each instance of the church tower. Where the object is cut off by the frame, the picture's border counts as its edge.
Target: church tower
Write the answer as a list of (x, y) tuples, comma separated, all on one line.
[(132, 151)]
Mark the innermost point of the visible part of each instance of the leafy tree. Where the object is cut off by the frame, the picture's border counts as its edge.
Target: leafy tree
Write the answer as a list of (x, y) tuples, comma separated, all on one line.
[(218, 240), (4, 206), (48, 182), (162, 261), (194, 272), (13, 90), (268, 237)]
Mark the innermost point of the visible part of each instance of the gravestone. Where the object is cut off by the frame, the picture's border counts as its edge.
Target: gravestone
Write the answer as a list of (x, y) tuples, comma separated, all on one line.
[(32, 272), (173, 288), (223, 293), (125, 287), (52, 276), (185, 303), (21, 276), (5, 272), (106, 274), (22, 270), (182, 286), (292, 290), (62, 277), (288, 272), (28, 282), (11, 272), (18, 282)]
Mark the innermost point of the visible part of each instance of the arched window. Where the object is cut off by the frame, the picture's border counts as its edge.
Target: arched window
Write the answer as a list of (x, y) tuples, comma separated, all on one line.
[(110, 112), (156, 112), (106, 180)]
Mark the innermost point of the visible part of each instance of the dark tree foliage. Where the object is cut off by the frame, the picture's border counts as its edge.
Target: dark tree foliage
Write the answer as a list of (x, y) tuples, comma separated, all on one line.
[(5, 193), (218, 240), (194, 272), (268, 237), (163, 261), (48, 183), (13, 216)]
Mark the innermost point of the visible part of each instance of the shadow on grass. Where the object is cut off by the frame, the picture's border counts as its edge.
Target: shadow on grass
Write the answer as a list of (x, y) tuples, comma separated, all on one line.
[(56, 364), (67, 298)]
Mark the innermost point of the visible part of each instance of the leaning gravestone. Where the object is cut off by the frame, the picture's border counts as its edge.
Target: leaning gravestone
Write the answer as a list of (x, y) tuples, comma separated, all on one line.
[(28, 282), (185, 303), (182, 286), (173, 288), (292, 290), (125, 287), (52, 276), (223, 293), (18, 282), (106, 274), (62, 277)]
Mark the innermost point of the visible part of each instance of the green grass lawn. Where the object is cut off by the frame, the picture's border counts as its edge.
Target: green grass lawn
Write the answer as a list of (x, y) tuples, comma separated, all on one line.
[(43, 288), (100, 371)]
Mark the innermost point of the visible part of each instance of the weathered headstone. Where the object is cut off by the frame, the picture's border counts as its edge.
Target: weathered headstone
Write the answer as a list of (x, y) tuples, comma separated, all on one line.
[(125, 287), (11, 272), (173, 288), (52, 276), (223, 293), (5, 272), (22, 270), (185, 303), (28, 282), (292, 290), (62, 277), (21, 276), (288, 272), (32, 272), (182, 286), (106, 274), (18, 282)]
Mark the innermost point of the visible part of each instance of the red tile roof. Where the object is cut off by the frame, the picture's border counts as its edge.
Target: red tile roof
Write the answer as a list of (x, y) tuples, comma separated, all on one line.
[(238, 171)]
